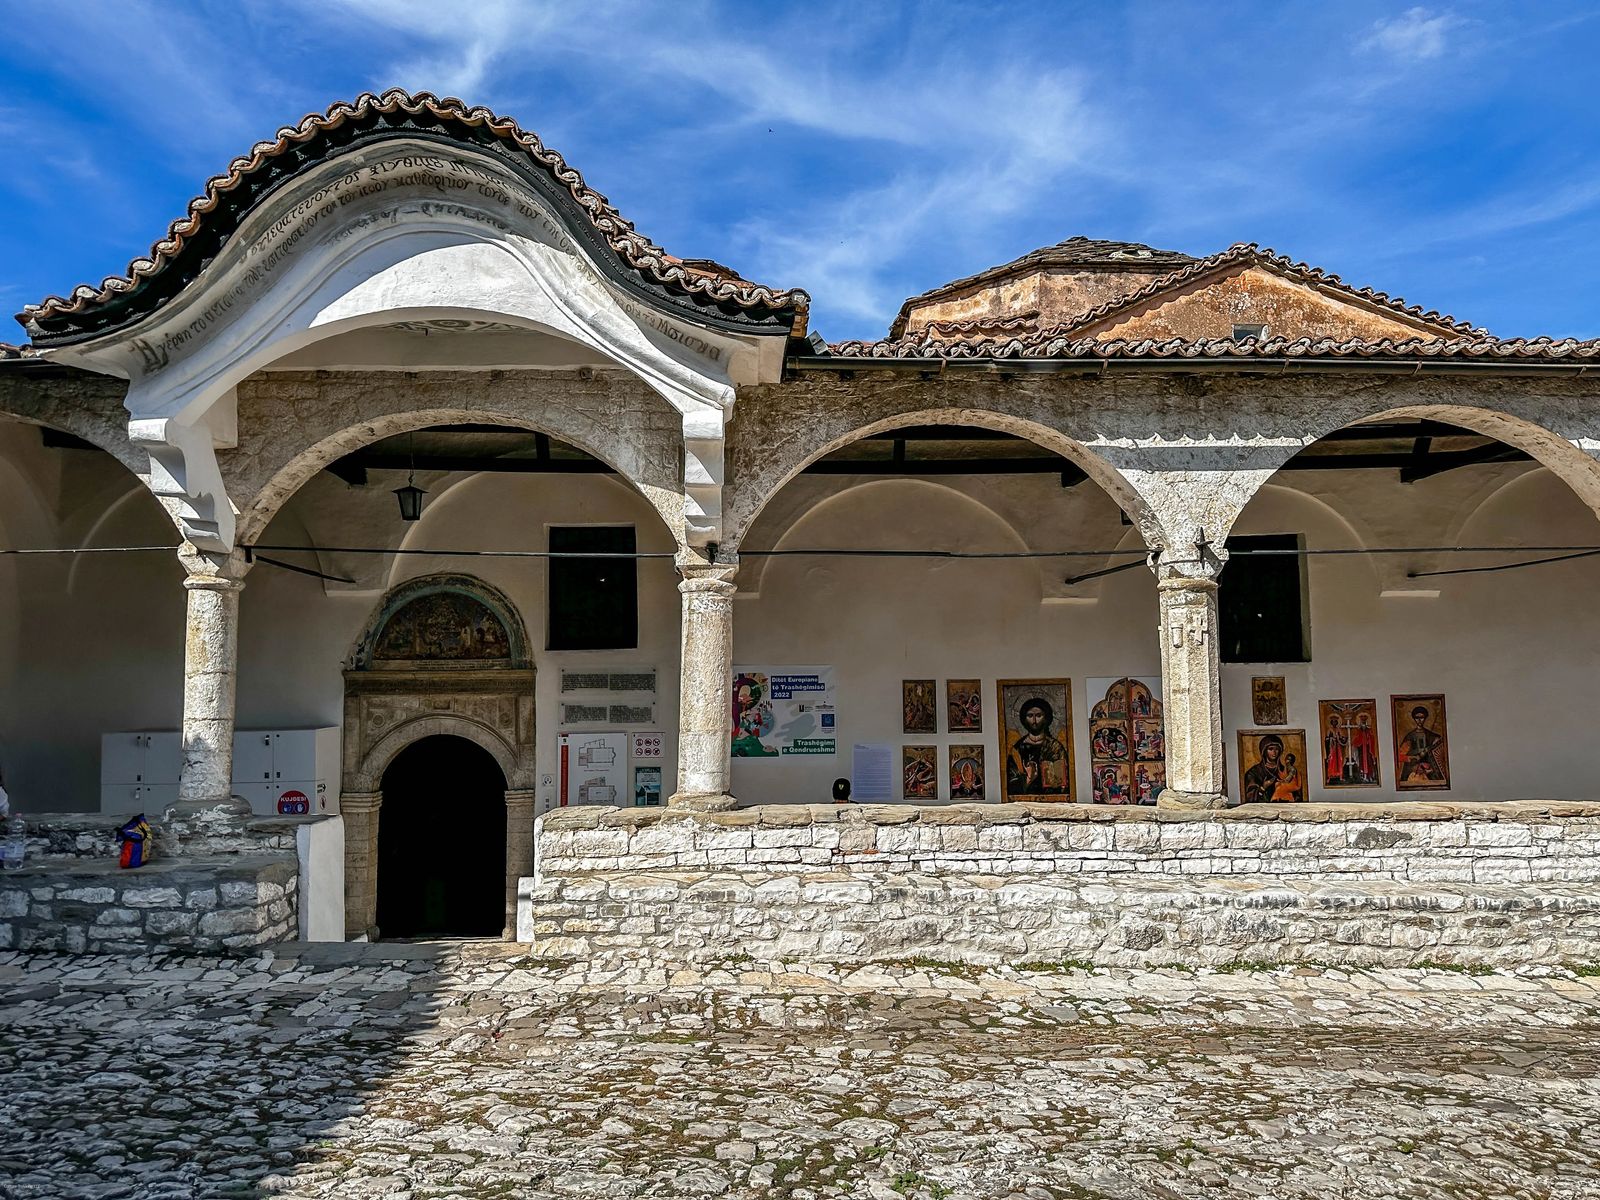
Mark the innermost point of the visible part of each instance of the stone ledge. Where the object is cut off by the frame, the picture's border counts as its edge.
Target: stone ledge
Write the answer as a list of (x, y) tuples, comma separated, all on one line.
[(789, 816)]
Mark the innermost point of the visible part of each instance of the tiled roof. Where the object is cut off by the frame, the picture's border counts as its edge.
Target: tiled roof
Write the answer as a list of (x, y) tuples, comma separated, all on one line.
[(192, 241), (8, 352), (1016, 323), (1480, 348), (1249, 254), (1074, 252)]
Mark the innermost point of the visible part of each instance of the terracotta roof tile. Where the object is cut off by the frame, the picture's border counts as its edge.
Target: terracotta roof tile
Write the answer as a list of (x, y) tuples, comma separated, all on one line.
[(1476, 348), (1017, 323), (705, 282)]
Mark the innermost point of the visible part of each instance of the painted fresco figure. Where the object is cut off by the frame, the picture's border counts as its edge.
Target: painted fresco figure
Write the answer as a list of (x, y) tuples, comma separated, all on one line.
[(1261, 780), (1288, 788), (1364, 750), (1036, 764), (1419, 748), (1335, 753)]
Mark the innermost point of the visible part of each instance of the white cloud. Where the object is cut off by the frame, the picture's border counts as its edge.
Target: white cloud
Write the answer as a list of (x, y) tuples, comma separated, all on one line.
[(1413, 36), (972, 143)]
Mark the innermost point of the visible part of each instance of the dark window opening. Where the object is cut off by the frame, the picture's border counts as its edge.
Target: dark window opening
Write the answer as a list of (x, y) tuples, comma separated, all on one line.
[(594, 602), (1240, 332), (1261, 601)]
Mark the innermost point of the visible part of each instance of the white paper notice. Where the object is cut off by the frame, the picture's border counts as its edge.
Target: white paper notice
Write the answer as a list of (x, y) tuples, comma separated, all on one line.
[(871, 770)]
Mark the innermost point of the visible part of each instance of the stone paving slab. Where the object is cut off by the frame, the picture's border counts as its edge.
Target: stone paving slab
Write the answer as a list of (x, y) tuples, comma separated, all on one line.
[(468, 1070)]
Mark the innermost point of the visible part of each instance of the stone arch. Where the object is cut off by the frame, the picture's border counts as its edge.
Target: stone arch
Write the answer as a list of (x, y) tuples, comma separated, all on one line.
[(759, 472), (282, 445), (1575, 461), (368, 653), (369, 773), (392, 700)]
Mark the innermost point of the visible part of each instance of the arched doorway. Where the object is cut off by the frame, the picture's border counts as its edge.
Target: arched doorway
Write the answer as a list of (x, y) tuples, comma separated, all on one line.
[(442, 665), (442, 841)]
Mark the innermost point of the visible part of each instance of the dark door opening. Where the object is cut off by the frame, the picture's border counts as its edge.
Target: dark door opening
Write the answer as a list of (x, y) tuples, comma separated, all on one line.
[(442, 842)]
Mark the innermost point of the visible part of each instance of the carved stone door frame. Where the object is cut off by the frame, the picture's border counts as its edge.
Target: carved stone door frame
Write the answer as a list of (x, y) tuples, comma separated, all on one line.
[(442, 654)]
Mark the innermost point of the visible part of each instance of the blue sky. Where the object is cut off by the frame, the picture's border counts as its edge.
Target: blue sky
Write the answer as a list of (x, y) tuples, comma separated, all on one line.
[(1448, 153)]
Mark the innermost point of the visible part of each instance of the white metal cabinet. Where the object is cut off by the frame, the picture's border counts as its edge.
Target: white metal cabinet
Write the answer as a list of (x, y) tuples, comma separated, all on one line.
[(139, 770)]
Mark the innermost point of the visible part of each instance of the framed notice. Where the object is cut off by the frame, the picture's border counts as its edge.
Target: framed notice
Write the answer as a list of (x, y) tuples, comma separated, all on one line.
[(594, 767)]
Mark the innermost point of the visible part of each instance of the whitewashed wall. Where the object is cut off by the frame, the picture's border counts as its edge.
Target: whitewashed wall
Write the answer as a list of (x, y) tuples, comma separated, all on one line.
[(1516, 653), (94, 643)]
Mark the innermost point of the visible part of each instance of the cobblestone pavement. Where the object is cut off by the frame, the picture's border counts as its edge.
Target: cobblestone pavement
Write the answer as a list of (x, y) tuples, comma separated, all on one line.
[(459, 1070)]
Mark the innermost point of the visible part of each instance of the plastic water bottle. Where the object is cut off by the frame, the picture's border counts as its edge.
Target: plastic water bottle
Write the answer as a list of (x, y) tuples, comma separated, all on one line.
[(14, 843)]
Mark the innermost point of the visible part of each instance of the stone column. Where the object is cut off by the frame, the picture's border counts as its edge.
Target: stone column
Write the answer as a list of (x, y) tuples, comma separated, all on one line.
[(706, 677), (1191, 680), (520, 810), (360, 813), (206, 806)]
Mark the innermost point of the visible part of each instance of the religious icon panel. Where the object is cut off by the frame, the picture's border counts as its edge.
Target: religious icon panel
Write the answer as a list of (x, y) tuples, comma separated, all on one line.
[(1127, 740), (1349, 731), (964, 702), (1035, 738), (917, 703), (966, 773), (1421, 743), (919, 772), (1269, 700), (1272, 765)]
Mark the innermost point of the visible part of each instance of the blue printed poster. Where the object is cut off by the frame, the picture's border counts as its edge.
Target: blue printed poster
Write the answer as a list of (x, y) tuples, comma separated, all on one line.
[(781, 711)]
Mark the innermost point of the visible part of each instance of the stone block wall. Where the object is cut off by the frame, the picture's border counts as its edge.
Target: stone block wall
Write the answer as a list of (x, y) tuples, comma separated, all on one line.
[(1497, 885), (1514, 843), (1116, 920), (230, 904)]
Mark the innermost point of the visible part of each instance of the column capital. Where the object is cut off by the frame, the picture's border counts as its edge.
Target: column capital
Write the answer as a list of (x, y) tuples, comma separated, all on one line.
[(707, 579), (521, 798), (360, 803), (212, 572), (1175, 582)]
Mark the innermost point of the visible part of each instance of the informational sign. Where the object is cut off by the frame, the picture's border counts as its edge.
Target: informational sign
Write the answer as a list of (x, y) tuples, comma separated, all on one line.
[(646, 787), (294, 804), (871, 768), (594, 768), (782, 711), (647, 746)]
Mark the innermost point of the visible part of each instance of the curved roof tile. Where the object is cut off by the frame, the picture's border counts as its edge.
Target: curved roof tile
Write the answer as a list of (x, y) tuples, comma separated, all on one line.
[(1480, 348), (185, 247)]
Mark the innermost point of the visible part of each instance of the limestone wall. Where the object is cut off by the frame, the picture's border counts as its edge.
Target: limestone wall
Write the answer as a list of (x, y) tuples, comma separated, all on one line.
[(1357, 885), (1016, 920), (211, 904), (1489, 844)]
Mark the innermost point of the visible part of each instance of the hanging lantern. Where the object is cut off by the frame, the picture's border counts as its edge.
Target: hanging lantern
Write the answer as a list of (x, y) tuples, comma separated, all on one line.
[(410, 498)]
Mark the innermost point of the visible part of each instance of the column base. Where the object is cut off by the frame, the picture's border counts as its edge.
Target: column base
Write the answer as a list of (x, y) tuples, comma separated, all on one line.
[(702, 803), (1192, 801)]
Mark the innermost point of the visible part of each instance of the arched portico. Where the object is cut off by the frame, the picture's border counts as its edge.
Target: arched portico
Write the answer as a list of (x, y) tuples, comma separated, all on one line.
[(295, 424), (1573, 456), (442, 655)]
